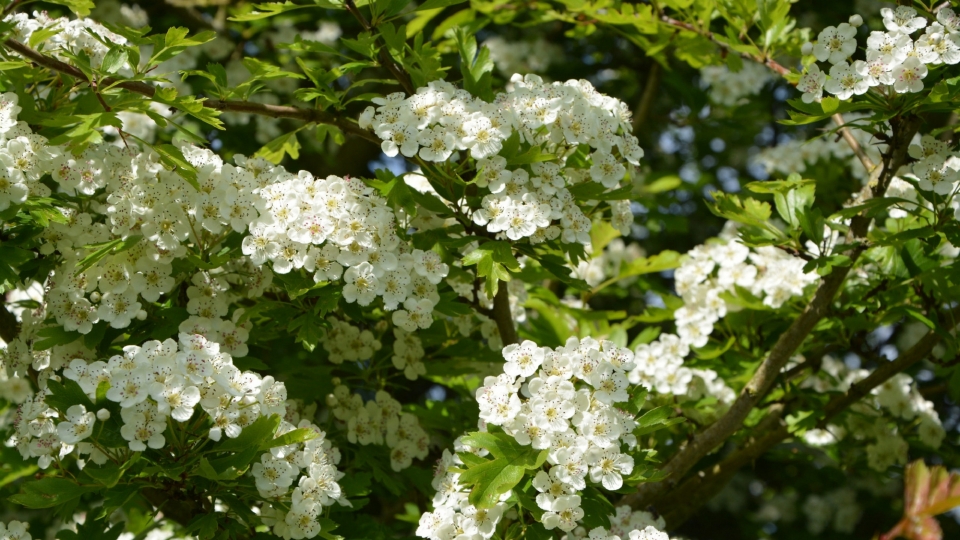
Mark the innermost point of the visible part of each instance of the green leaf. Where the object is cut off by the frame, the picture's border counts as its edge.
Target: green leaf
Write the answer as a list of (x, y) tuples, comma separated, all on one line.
[(53, 336), (792, 196), (172, 158), (830, 105), (664, 183), (93, 529), (50, 492), (108, 474), (253, 436), (596, 509), (275, 150), (291, 437), (655, 420), (493, 478), (476, 68), (65, 394), (435, 4), (103, 249), (80, 7), (43, 34), (395, 39), (269, 9), (115, 59), (654, 416), (365, 44), (176, 41), (493, 259), (749, 211)]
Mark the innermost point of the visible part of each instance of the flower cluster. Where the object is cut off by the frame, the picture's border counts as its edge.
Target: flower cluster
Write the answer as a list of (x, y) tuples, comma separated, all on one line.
[(22, 156), (337, 228), (712, 270), (14, 530), (346, 342), (728, 87), (893, 58), (797, 155), (521, 56), (607, 263), (315, 463), (898, 398), (526, 201), (380, 421), (659, 368), (74, 36), (408, 354), (455, 518), (937, 167), (341, 230), (569, 411), (838, 508), (152, 383)]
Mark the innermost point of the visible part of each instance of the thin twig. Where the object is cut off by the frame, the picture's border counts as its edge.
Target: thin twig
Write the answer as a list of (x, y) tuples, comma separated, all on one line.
[(868, 163), (765, 60), (398, 73), (780, 70), (650, 91)]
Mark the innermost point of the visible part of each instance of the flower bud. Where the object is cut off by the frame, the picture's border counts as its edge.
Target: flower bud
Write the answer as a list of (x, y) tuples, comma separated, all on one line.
[(103, 415), (332, 400), (94, 297), (855, 20), (807, 49), (141, 315)]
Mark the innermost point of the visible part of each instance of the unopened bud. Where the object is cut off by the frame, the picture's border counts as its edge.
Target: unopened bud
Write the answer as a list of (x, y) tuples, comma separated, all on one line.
[(855, 20), (141, 315), (332, 400), (103, 415), (94, 297), (807, 49)]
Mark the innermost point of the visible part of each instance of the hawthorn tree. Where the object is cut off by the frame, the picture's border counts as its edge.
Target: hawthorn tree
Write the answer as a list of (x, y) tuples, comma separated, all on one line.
[(469, 270)]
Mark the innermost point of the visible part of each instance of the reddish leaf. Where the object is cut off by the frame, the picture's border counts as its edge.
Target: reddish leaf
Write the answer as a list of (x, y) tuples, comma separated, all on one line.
[(927, 492)]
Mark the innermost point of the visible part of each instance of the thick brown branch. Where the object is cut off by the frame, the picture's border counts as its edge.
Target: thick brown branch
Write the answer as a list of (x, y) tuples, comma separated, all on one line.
[(763, 379), (681, 503), (148, 90)]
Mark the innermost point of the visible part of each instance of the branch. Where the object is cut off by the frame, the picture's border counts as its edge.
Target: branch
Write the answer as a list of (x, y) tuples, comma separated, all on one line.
[(174, 505), (762, 59), (148, 90), (9, 327), (868, 163), (649, 94), (503, 317), (385, 58), (763, 379), (683, 502)]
